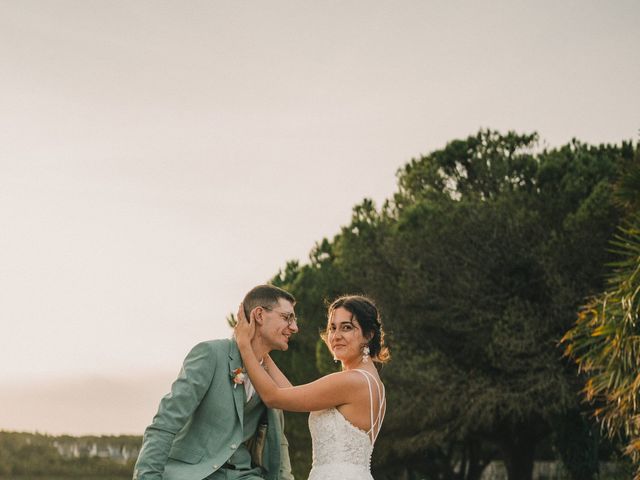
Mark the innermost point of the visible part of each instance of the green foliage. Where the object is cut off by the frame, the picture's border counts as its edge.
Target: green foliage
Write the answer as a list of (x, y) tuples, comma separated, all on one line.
[(493, 247), (478, 263), (577, 443), (605, 340)]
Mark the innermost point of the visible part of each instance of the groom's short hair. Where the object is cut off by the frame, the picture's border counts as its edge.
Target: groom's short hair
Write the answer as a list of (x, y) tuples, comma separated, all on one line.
[(265, 296)]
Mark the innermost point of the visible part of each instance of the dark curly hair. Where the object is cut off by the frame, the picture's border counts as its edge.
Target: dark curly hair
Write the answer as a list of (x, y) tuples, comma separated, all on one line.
[(366, 313)]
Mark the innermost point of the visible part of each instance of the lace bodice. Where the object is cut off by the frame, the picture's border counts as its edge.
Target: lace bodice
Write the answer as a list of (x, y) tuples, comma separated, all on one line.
[(337, 440), (340, 449)]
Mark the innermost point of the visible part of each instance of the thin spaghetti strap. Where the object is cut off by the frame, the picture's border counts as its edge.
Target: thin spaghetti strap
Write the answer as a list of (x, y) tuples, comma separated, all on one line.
[(381, 410), (370, 433), (381, 400)]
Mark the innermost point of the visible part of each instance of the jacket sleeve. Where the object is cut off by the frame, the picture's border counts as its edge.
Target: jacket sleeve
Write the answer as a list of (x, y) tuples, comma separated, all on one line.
[(174, 411), (285, 461)]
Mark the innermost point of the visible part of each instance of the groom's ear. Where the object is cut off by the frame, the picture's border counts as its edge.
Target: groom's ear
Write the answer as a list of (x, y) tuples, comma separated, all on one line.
[(256, 316)]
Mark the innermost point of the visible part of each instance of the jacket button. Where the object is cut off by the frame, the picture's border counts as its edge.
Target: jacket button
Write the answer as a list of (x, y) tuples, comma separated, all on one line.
[(215, 467), (233, 445)]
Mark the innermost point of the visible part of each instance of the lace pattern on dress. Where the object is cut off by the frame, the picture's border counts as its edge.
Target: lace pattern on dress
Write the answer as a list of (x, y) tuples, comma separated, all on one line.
[(342, 451)]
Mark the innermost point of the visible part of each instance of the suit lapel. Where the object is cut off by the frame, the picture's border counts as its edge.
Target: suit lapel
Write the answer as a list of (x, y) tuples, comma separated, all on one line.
[(235, 361)]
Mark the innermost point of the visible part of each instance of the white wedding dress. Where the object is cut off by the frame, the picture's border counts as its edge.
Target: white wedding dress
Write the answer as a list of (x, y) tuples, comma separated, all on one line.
[(342, 451)]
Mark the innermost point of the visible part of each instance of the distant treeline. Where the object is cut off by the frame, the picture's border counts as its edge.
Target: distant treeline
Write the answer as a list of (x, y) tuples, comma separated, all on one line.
[(34, 455)]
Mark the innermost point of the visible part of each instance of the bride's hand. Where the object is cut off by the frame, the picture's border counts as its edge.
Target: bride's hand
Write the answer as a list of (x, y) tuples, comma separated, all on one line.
[(244, 329)]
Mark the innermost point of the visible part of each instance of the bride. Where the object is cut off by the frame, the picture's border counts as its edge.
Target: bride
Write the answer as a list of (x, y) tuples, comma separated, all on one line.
[(347, 407)]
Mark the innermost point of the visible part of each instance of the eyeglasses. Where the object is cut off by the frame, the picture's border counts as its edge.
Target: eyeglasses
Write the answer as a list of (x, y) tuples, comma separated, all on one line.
[(290, 318)]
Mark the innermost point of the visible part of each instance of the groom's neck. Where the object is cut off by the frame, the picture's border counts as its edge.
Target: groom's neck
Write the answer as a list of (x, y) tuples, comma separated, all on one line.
[(259, 348)]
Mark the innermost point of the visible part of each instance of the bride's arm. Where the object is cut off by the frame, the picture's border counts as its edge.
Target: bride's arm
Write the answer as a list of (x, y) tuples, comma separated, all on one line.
[(329, 391), (275, 373)]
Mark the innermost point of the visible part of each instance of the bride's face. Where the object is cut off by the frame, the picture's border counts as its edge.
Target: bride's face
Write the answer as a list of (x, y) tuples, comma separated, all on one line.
[(344, 336)]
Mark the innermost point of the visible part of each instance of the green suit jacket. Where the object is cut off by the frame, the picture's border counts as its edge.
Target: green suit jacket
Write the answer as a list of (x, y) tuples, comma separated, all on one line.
[(199, 423)]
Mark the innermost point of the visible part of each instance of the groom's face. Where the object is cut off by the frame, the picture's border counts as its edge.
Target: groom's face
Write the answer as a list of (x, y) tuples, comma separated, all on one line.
[(278, 324)]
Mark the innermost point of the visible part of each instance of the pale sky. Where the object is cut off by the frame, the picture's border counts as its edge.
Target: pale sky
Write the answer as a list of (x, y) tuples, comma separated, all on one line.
[(159, 158)]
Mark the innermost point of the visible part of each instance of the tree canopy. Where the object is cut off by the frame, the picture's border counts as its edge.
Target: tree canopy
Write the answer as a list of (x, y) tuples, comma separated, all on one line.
[(479, 262)]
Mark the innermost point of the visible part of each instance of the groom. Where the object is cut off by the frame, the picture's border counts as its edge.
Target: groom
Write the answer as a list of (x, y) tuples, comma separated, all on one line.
[(212, 425)]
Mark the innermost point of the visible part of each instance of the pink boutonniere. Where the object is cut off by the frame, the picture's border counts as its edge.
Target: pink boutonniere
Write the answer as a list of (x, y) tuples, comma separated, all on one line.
[(238, 376)]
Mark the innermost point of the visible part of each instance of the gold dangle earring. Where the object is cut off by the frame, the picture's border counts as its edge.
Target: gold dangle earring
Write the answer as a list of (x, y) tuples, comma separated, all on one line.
[(365, 353)]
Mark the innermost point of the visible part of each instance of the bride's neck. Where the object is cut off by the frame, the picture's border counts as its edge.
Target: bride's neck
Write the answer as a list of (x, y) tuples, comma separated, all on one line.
[(352, 365)]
